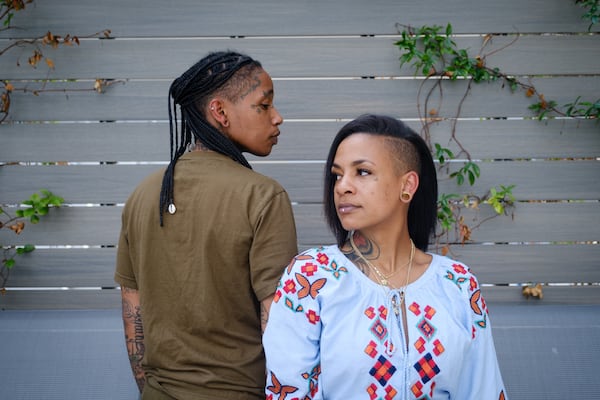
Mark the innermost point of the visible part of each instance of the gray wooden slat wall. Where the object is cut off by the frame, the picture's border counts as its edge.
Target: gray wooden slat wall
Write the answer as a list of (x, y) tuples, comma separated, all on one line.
[(330, 61)]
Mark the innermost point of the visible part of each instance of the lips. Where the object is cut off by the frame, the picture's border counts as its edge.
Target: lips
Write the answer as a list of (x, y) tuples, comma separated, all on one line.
[(274, 138), (346, 208)]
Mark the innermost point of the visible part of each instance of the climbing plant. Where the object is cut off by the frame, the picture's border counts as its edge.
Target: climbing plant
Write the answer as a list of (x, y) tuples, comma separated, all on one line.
[(592, 11), (37, 55), (432, 53), (38, 204)]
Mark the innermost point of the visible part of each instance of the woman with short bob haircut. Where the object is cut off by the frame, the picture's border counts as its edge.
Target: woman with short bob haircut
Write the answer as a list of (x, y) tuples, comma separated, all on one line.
[(376, 315)]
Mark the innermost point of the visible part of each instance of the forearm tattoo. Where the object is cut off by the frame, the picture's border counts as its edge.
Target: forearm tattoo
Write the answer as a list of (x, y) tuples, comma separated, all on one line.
[(134, 338), (264, 317)]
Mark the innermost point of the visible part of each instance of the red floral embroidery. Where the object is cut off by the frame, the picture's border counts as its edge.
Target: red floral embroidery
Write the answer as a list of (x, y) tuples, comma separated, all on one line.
[(322, 259), (290, 286), (312, 316), (309, 269), (459, 268)]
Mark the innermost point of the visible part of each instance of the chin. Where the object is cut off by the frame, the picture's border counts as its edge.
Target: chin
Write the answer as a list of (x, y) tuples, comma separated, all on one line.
[(348, 226), (262, 153)]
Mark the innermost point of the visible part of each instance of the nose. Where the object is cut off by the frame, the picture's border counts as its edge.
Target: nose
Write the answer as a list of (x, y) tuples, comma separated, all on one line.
[(277, 118), (344, 185)]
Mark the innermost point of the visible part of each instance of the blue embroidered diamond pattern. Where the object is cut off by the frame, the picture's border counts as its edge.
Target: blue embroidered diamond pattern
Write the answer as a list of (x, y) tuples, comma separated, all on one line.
[(379, 330), (426, 328), (382, 370)]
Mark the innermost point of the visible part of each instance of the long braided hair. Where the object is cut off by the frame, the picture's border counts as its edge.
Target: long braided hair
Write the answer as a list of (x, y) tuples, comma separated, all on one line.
[(226, 72)]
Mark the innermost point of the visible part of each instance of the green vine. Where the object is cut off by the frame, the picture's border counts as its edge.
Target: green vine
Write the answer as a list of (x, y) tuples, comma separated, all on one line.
[(431, 52), (8, 8), (37, 206), (593, 11)]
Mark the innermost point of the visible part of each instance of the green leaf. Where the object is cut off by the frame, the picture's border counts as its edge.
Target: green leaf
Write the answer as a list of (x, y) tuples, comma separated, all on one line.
[(9, 262), (28, 248)]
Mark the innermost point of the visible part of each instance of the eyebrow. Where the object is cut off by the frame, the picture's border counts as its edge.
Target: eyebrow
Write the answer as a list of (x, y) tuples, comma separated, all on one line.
[(354, 163)]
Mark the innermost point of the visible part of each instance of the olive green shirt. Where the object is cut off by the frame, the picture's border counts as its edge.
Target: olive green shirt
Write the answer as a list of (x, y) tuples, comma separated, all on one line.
[(202, 274)]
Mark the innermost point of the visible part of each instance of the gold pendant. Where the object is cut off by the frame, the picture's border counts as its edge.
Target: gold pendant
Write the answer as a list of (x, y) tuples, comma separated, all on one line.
[(395, 306)]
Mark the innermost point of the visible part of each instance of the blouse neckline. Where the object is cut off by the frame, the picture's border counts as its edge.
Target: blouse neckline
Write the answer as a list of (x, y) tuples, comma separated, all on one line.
[(413, 285)]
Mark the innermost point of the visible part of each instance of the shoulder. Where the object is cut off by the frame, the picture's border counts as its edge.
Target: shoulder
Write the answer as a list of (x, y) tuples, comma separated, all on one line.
[(149, 187), (455, 273), (251, 181), (460, 282), (310, 272), (314, 260), (326, 263), (228, 171)]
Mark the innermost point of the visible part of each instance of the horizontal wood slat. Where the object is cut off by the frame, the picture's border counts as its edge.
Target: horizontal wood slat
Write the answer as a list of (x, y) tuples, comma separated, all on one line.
[(61, 299), (286, 57), (184, 18), (110, 298), (532, 222), (492, 264), (330, 62), (299, 140), (552, 295), (297, 99), (110, 184)]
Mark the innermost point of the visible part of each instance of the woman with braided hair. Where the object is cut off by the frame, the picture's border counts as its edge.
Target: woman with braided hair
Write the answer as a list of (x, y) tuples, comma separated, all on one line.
[(203, 242)]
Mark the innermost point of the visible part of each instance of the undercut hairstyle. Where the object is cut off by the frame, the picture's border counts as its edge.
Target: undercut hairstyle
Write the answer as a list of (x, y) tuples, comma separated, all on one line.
[(412, 154), (226, 73)]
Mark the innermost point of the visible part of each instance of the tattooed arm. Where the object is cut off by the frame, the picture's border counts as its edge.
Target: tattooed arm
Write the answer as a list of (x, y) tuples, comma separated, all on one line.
[(134, 333), (265, 306)]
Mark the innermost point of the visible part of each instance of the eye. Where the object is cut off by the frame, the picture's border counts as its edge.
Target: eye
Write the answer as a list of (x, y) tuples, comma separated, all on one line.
[(265, 106), (363, 172), (335, 176)]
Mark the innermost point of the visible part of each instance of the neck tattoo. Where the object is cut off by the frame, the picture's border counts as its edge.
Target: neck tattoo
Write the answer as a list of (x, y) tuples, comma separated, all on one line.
[(381, 278)]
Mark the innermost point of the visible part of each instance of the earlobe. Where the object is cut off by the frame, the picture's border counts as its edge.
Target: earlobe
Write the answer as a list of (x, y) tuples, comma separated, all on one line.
[(409, 186), (217, 113)]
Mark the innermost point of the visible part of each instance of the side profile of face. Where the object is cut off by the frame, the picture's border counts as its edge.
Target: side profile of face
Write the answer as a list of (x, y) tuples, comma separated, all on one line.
[(368, 187), (252, 121)]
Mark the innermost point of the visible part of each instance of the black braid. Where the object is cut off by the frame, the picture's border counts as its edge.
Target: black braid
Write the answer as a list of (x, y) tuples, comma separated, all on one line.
[(191, 91)]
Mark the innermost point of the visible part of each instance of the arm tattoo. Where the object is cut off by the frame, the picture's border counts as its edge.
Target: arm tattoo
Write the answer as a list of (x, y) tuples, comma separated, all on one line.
[(134, 336), (264, 317)]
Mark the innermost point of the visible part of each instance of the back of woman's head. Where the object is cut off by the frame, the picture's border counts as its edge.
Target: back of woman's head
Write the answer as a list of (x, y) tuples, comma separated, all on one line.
[(225, 73), (422, 212)]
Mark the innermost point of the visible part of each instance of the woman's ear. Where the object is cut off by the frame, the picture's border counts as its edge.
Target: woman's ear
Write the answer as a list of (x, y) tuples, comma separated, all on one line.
[(216, 112), (410, 184)]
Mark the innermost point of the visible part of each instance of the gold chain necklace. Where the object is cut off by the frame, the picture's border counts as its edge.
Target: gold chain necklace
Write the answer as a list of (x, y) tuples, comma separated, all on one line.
[(381, 277)]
